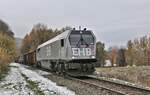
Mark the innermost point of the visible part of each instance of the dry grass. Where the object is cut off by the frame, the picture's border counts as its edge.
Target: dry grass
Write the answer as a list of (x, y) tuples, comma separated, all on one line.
[(139, 75), (4, 60), (3, 70)]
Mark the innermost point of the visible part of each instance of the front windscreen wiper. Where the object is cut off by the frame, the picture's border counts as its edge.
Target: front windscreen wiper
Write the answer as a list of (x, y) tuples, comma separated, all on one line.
[(82, 41)]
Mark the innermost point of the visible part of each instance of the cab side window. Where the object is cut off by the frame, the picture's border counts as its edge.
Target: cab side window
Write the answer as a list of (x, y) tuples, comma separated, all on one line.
[(62, 42)]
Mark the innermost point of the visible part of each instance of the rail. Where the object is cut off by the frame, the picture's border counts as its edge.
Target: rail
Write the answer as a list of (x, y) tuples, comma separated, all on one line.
[(114, 92)]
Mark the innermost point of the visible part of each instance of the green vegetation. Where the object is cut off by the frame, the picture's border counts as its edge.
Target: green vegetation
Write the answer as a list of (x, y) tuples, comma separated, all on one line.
[(33, 86), (121, 59), (3, 70), (101, 53)]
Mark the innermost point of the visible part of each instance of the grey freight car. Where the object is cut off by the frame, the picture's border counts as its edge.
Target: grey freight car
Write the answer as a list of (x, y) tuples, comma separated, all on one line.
[(72, 51)]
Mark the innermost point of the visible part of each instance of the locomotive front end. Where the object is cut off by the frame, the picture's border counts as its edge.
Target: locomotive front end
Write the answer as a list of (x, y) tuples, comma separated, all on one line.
[(83, 52), (83, 45)]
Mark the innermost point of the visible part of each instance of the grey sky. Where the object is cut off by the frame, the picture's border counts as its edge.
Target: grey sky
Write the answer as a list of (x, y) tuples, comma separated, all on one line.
[(113, 21)]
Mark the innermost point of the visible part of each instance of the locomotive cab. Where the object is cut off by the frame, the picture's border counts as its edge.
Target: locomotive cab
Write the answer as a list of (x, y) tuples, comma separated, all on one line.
[(83, 51), (82, 43)]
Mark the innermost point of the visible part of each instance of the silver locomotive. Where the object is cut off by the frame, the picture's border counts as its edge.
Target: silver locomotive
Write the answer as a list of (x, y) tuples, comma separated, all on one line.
[(72, 52)]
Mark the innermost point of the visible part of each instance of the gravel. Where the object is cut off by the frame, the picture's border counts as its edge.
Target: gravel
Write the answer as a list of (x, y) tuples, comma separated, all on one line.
[(78, 88)]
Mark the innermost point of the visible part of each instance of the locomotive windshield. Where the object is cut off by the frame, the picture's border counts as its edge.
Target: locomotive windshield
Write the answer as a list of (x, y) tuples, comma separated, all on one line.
[(78, 38)]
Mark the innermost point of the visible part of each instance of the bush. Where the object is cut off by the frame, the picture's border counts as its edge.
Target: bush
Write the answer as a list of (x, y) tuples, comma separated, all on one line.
[(7, 51)]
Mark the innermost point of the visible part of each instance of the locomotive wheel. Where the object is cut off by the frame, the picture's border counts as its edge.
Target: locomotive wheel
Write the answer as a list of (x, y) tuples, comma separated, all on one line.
[(66, 67), (52, 67), (61, 69), (58, 69), (39, 64)]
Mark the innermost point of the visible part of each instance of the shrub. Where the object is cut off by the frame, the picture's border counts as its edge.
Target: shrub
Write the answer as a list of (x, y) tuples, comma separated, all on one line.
[(7, 51)]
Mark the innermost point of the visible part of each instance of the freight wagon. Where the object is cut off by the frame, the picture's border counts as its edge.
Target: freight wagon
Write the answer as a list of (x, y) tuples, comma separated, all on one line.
[(30, 58)]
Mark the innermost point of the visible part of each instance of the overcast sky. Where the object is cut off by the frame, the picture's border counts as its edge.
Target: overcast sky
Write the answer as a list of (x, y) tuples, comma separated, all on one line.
[(113, 21)]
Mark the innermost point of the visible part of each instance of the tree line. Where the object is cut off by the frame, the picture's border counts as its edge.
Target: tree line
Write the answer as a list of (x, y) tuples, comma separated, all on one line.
[(136, 53)]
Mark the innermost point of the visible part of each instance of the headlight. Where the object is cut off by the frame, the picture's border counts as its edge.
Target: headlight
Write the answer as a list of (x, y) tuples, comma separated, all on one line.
[(93, 57), (73, 57)]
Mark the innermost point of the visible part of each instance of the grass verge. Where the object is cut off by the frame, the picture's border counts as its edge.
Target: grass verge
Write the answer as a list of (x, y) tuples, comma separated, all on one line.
[(3, 71), (138, 75), (33, 86)]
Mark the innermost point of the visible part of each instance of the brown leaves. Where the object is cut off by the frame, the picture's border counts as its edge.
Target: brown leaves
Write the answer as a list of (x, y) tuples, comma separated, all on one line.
[(138, 51), (113, 55), (38, 35), (7, 51)]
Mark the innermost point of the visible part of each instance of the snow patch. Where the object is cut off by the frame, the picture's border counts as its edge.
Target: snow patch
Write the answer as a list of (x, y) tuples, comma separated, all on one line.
[(15, 83), (40, 72), (46, 85), (14, 65)]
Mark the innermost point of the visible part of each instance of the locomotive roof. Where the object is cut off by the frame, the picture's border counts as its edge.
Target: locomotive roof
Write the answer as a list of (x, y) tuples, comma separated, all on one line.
[(58, 37)]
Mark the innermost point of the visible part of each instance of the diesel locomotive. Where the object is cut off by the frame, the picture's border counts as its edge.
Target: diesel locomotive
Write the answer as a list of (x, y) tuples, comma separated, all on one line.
[(72, 52)]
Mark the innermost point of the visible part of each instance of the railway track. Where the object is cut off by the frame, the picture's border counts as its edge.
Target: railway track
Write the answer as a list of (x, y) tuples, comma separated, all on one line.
[(123, 89), (108, 86), (140, 87), (99, 87)]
